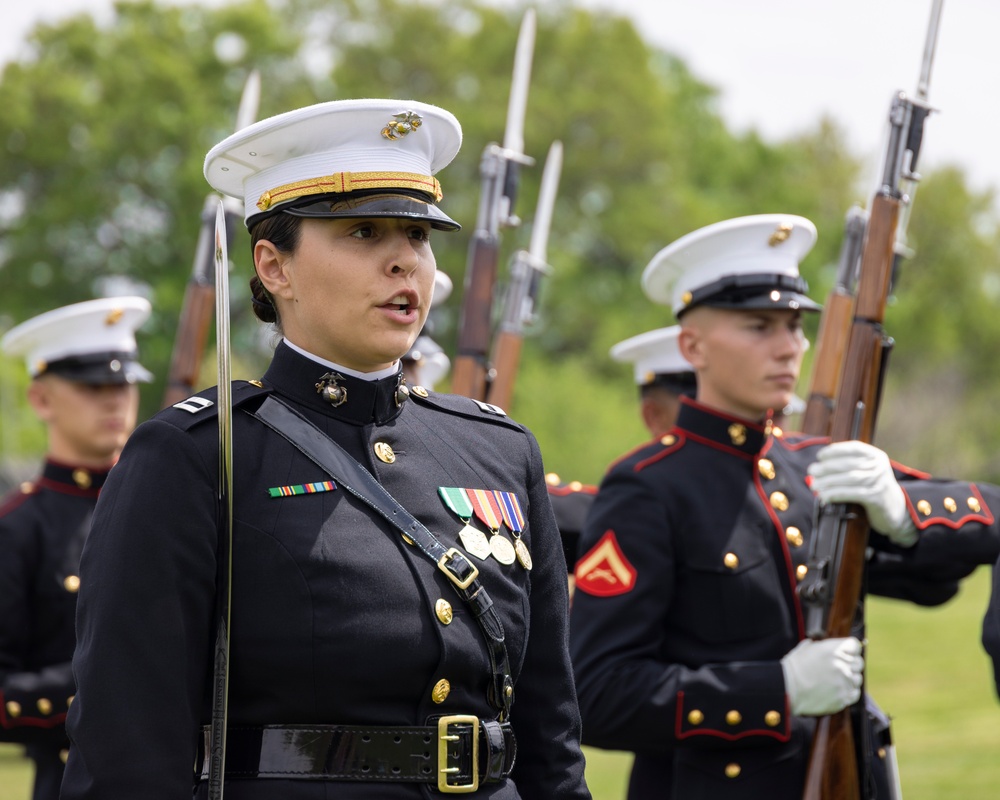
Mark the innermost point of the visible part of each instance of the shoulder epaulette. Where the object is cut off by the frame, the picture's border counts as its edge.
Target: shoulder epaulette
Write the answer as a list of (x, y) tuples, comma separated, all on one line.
[(203, 406), (463, 406), (796, 441), (651, 452)]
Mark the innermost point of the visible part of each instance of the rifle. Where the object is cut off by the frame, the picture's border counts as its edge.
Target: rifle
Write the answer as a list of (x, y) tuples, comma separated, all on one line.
[(834, 325), (526, 274), (831, 592), (199, 295), (499, 171)]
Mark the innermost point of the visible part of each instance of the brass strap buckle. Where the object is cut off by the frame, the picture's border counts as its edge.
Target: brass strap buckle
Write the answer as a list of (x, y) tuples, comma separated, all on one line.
[(447, 558), (444, 738)]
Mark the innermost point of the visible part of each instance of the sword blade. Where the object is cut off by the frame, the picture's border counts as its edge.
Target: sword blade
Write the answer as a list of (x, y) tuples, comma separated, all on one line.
[(220, 689)]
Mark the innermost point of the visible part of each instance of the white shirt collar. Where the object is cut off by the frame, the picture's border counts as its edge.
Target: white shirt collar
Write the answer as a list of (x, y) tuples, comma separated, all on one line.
[(365, 376)]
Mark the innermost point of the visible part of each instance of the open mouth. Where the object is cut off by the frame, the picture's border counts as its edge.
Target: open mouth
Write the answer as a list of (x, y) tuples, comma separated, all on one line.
[(400, 303)]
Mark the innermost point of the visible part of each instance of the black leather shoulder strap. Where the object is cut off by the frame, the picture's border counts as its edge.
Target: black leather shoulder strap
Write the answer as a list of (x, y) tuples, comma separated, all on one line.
[(354, 478)]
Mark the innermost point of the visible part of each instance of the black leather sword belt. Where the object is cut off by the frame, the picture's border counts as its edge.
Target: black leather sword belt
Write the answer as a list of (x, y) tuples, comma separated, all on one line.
[(458, 753)]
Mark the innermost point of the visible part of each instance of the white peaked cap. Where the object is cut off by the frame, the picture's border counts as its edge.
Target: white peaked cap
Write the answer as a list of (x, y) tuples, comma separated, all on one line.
[(340, 147), (653, 353), (747, 262), (92, 342), (442, 288)]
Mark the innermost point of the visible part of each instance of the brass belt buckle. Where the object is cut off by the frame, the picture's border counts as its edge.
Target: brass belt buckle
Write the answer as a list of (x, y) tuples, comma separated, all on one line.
[(444, 738), (450, 556)]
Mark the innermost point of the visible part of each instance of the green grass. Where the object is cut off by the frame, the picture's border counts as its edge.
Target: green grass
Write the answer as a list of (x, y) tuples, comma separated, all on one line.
[(926, 669)]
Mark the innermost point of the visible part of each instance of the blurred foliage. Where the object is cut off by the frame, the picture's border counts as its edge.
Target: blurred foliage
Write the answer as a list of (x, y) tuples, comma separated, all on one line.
[(105, 130)]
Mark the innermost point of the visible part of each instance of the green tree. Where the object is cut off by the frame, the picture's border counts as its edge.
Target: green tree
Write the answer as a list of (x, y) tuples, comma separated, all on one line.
[(105, 130)]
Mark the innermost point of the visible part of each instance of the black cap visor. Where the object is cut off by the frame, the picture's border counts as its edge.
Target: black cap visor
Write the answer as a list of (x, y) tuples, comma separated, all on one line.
[(754, 293), (378, 203), (99, 369)]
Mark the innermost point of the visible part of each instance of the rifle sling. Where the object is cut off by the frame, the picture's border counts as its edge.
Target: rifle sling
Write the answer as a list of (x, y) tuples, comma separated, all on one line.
[(462, 574)]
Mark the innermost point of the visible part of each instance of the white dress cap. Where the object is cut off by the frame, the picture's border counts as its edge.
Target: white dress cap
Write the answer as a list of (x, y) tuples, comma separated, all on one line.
[(442, 288), (90, 342), (340, 147), (747, 262), (652, 354)]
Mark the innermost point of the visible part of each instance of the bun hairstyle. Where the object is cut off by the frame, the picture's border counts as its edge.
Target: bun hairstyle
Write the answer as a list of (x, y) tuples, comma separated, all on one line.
[(283, 231)]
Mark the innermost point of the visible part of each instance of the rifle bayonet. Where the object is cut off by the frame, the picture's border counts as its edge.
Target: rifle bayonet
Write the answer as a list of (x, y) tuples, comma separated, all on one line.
[(526, 273)]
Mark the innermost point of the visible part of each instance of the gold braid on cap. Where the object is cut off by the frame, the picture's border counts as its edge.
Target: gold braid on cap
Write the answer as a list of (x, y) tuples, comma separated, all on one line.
[(345, 182)]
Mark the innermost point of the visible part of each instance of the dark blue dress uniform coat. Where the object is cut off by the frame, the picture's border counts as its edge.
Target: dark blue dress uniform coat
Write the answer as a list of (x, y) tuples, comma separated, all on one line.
[(43, 525), (686, 601), (335, 619)]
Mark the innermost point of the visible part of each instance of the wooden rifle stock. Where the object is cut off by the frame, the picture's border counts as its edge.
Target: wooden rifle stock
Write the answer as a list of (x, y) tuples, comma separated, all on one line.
[(831, 591), (835, 323), (832, 773), (196, 315), (507, 355), (471, 372)]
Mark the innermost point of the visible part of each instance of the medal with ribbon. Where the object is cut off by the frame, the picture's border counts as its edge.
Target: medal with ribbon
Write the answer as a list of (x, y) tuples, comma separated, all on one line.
[(474, 541), (514, 519), (487, 510)]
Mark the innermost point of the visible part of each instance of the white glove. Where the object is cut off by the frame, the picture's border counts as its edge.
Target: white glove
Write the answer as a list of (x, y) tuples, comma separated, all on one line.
[(823, 676), (856, 472)]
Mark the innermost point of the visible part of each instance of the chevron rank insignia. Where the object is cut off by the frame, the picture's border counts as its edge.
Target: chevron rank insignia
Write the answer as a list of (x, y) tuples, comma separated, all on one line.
[(604, 571)]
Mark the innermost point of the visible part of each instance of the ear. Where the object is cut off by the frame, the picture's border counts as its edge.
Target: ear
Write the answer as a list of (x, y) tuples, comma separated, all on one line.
[(650, 415), (38, 398), (271, 265), (689, 342)]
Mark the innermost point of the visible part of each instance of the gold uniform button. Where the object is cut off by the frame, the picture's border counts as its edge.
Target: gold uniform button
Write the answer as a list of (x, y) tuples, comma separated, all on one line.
[(384, 453), (575, 486), (441, 691), (64, 755), (974, 505), (731, 560), (776, 431), (81, 478), (950, 505), (255, 382), (766, 468), (733, 717), (552, 479), (696, 717), (668, 440), (13, 709), (444, 611), (794, 536), (733, 770), (27, 487), (924, 508), (772, 719), (44, 705), (72, 583), (779, 501), (420, 391), (801, 571), (69, 700)]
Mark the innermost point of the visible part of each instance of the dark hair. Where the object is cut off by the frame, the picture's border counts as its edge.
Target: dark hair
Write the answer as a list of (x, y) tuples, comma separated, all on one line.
[(283, 231)]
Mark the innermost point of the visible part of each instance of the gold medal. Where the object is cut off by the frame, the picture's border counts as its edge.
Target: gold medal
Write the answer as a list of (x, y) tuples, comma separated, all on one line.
[(475, 542), (503, 551), (522, 553)]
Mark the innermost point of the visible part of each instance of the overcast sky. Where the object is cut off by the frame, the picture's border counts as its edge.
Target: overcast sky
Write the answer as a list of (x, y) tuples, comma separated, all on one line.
[(781, 63)]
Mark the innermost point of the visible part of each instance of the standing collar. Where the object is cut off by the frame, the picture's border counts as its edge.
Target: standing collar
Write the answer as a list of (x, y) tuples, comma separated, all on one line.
[(716, 428), (73, 479), (296, 376)]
